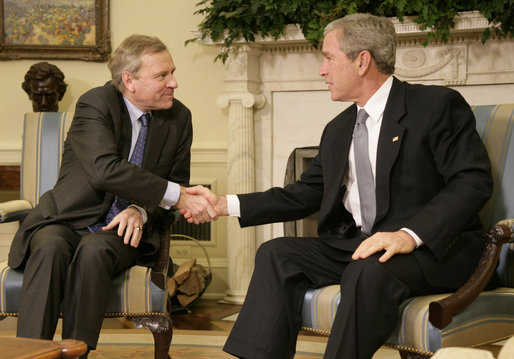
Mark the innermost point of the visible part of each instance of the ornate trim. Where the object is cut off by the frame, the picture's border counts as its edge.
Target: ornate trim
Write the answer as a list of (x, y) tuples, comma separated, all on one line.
[(10, 156), (247, 99), (415, 59), (470, 21), (409, 33)]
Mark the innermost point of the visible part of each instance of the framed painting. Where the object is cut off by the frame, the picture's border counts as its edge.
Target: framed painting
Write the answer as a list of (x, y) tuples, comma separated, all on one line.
[(55, 29)]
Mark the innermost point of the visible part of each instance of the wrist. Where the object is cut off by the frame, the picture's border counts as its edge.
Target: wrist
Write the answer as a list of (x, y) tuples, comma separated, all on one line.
[(222, 206), (408, 237)]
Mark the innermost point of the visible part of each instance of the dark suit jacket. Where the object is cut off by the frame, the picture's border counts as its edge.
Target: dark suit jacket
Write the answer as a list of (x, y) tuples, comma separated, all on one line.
[(432, 176), (95, 168)]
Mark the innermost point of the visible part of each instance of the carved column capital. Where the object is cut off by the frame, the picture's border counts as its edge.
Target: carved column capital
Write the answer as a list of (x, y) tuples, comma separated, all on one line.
[(247, 99)]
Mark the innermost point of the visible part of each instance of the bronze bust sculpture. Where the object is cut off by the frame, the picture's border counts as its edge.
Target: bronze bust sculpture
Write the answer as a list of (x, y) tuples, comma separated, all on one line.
[(44, 83)]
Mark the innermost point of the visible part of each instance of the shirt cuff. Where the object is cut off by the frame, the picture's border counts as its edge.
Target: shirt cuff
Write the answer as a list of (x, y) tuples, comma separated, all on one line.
[(418, 240), (233, 206), (171, 196)]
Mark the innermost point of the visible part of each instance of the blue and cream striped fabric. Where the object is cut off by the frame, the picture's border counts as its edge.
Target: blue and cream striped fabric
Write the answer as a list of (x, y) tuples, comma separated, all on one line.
[(495, 124), (43, 141), (491, 316), (132, 291)]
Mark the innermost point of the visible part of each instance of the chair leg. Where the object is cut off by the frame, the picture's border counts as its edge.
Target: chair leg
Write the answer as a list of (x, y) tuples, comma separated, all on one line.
[(162, 331), (405, 354)]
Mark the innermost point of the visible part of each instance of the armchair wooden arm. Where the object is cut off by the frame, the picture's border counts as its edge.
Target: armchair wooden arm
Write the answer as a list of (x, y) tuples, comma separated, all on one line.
[(12, 211), (441, 312)]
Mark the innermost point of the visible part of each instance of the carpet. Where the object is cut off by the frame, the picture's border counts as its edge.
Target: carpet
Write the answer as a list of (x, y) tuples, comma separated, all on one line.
[(195, 344), (186, 344), (119, 340)]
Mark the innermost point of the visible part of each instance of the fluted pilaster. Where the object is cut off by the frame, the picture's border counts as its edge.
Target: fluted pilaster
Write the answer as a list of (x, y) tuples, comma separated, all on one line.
[(241, 179)]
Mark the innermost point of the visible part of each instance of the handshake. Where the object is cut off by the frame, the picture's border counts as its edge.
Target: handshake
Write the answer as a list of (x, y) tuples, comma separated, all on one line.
[(199, 204)]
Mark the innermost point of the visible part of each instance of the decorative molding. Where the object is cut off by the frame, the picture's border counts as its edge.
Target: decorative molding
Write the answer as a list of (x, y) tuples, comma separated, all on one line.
[(293, 40), (247, 99), (209, 155), (202, 154), (417, 63), (468, 21), (10, 155)]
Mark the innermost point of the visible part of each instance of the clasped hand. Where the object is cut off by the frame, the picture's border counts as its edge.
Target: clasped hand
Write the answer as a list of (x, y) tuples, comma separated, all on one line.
[(196, 206)]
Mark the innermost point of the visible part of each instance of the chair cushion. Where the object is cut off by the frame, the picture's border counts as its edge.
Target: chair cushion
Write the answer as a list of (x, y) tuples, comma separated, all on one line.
[(131, 291), (488, 319), (319, 308)]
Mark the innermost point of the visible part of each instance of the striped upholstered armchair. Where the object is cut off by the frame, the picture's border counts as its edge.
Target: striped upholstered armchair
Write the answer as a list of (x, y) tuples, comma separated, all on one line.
[(139, 293), (470, 317)]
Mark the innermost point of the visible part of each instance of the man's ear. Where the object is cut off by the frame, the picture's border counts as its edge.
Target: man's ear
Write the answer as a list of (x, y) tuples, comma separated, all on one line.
[(128, 81), (364, 60)]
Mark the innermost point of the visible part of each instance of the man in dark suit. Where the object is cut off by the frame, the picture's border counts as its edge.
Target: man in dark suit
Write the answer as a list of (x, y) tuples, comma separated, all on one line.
[(125, 162), (414, 231)]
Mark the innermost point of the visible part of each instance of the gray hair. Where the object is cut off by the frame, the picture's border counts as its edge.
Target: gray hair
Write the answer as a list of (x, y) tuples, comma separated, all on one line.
[(361, 32), (127, 56)]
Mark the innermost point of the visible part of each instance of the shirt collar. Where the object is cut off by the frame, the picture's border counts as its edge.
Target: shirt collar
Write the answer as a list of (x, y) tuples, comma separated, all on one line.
[(376, 104), (133, 111)]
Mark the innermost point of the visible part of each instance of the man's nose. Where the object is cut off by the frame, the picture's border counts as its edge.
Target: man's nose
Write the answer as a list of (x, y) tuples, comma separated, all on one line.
[(172, 82), (322, 69)]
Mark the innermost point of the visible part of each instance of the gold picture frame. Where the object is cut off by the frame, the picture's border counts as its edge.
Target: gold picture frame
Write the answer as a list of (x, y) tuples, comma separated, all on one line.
[(55, 29)]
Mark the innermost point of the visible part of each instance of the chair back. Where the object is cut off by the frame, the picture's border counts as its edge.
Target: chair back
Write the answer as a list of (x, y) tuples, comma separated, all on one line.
[(495, 125), (43, 141)]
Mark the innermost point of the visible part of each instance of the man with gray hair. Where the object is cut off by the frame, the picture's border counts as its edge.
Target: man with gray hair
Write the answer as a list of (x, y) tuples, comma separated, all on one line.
[(125, 163), (399, 180)]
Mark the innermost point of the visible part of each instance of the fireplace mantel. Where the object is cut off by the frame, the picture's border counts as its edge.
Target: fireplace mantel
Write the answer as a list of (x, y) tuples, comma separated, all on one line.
[(277, 102)]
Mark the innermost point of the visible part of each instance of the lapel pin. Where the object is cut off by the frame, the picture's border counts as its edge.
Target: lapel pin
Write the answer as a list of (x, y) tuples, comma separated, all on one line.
[(395, 138)]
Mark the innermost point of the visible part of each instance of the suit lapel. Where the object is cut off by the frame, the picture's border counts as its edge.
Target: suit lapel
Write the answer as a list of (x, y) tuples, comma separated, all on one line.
[(343, 142), (157, 135), (126, 131), (389, 145), (339, 146)]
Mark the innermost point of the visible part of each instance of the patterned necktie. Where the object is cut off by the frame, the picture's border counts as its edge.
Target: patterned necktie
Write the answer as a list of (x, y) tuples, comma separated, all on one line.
[(365, 181), (136, 158)]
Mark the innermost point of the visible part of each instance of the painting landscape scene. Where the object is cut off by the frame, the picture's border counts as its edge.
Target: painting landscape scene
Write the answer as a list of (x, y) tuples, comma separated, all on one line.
[(49, 22)]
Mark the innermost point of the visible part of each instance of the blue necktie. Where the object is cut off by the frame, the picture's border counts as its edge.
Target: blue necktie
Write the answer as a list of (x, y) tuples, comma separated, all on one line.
[(136, 158), (365, 181)]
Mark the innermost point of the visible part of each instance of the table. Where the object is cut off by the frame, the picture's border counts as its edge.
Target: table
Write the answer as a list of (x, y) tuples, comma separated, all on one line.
[(22, 348)]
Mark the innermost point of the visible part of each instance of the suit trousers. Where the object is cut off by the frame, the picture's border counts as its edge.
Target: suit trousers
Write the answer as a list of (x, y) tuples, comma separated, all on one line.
[(69, 272), (371, 293)]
